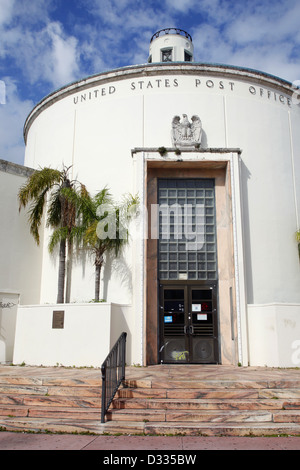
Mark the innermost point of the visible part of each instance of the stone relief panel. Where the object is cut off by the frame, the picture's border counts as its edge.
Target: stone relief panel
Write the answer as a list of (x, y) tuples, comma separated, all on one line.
[(186, 133)]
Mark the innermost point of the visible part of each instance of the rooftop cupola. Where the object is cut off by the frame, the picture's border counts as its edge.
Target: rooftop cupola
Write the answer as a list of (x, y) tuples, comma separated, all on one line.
[(171, 45)]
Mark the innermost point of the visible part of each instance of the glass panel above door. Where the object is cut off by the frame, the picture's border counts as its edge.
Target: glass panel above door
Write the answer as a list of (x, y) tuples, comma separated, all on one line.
[(187, 229)]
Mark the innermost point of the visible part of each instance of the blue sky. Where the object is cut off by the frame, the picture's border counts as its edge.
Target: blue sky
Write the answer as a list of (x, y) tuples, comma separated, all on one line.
[(45, 44)]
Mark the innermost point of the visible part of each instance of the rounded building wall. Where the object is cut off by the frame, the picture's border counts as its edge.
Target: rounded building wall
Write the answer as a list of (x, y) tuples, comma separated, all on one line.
[(94, 124)]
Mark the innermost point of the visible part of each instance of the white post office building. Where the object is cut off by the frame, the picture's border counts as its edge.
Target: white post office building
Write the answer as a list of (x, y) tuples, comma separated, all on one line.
[(211, 274)]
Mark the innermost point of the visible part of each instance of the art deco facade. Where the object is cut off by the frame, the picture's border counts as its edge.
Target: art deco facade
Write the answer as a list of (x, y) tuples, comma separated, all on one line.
[(212, 271)]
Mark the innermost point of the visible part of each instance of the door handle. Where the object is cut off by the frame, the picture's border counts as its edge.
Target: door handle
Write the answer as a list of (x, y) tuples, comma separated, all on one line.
[(188, 329)]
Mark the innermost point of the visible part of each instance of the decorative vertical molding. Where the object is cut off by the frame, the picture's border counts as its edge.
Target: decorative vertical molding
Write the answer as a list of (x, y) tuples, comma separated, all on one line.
[(139, 299), (235, 254), (225, 120), (239, 260), (293, 169), (143, 189), (73, 146), (143, 123), (34, 151), (143, 182)]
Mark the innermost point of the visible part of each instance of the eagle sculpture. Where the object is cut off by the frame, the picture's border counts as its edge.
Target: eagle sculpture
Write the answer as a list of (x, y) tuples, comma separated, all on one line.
[(186, 133)]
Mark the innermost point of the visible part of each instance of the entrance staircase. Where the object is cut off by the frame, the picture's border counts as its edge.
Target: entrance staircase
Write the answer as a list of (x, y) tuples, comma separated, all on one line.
[(186, 400)]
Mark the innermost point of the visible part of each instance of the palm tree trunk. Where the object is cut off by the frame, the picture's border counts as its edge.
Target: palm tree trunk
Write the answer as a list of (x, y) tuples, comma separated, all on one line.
[(61, 272), (69, 271), (97, 282)]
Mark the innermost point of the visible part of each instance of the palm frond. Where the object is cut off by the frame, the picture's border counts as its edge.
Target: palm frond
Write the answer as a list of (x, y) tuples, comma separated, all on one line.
[(91, 237), (77, 233), (54, 209), (80, 198), (38, 182), (36, 215), (103, 197)]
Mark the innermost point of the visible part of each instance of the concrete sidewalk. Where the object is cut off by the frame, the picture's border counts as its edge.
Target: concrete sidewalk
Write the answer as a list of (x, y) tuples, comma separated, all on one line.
[(30, 441)]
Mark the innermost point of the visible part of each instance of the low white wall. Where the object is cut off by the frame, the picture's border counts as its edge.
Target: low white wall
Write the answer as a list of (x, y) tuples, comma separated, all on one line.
[(121, 321), (274, 335), (8, 314), (84, 341)]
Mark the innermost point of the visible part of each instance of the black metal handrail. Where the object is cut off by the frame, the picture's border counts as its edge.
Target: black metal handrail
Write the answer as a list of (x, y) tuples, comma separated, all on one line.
[(113, 373)]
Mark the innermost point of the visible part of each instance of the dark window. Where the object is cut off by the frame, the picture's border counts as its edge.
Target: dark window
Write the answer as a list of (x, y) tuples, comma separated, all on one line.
[(187, 56), (166, 55)]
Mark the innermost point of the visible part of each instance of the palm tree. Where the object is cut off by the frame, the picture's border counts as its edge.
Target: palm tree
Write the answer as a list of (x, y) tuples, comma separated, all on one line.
[(52, 186), (103, 226)]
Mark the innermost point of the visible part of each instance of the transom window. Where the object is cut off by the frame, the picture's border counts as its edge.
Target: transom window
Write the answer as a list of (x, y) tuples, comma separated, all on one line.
[(187, 229)]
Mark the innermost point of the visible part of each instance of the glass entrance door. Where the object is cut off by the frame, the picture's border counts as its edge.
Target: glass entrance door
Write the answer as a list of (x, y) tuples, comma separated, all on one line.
[(188, 324)]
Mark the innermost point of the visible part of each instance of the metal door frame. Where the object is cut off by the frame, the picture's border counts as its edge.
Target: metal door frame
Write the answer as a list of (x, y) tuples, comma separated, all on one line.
[(187, 286)]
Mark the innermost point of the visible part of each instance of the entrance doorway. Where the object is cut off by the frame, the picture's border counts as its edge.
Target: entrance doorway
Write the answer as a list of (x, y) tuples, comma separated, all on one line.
[(203, 259), (188, 323)]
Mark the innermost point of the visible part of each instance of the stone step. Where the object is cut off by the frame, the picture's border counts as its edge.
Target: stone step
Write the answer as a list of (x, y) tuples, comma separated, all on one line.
[(50, 411), (66, 425), (50, 381), (55, 425), (279, 394), (212, 416), (187, 393), (211, 384), (209, 393), (221, 429), (287, 416), (86, 391), (155, 401), (30, 406), (205, 404), (35, 400)]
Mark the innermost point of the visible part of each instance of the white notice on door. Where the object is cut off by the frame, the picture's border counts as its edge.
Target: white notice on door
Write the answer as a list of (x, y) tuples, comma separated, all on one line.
[(201, 316), (196, 307)]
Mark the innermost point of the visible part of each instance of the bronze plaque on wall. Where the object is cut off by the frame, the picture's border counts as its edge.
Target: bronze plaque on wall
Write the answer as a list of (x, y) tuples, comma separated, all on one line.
[(58, 319)]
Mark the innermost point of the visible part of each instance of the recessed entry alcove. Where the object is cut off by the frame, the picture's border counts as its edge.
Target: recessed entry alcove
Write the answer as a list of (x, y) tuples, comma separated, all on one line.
[(191, 314)]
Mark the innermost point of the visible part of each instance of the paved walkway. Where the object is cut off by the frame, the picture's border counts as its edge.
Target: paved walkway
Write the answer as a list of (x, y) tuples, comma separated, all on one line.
[(24, 441)]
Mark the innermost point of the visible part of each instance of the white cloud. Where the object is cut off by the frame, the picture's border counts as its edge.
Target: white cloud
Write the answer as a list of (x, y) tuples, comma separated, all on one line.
[(61, 60), (182, 6), (29, 12), (12, 117), (261, 35), (39, 47), (265, 24), (6, 11), (126, 28)]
